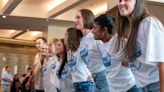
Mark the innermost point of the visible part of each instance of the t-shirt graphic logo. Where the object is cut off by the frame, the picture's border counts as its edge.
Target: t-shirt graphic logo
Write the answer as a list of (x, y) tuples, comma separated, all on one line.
[(135, 66), (106, 59), (64, 74), (138, 50), (73, 63), (84, 52), (53, 71)]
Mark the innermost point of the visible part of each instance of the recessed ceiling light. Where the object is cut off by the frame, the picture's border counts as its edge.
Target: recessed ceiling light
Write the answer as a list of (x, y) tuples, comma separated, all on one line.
[(4, 58), (55, 4), (100, 9), (28, 30), (35, 33), (3, 16)]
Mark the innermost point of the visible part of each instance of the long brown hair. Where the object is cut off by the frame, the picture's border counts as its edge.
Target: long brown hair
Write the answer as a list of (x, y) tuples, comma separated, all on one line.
[(130, 31), (64, 59), (73, 39), (88, 18)]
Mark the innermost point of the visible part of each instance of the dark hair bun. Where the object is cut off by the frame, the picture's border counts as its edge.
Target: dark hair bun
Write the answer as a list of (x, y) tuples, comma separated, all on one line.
[(105, 20)]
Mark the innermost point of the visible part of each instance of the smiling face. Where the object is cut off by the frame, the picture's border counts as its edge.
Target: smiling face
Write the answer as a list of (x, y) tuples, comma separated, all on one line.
[(39, 43), (97, 31), (79, 24), (126, 7), (44, 50), (59, 47)]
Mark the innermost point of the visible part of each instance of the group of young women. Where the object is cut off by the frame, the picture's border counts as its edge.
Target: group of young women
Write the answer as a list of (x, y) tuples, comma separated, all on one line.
[(103, 55)]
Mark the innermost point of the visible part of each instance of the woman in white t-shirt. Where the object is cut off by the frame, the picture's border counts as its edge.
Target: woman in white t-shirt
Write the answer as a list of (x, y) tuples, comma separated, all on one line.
[(50, 79), (144, 49), (120, 76), (81, 76), (89, 51), (64, 71), (56, 74)]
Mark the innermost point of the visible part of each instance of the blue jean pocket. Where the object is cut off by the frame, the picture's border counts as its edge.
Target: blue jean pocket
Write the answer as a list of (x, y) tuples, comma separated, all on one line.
[(84, 86), (101, 81), (134, 89)]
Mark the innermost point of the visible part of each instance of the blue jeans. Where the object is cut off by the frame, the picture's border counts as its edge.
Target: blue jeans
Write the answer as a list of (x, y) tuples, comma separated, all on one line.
[(84, 86), (134, 89), (101, 81), (153, 87), (39, 90), (57, 90)]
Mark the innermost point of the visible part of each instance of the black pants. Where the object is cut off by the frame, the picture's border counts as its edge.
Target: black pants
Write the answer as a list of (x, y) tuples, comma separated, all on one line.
[(39, 90)]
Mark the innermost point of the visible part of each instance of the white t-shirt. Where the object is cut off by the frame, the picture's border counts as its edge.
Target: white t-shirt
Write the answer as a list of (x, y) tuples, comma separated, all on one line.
[(91, 54), (66, 82), (150, 51), (6, 75), (50, 80), (79, 69), (120, 77)]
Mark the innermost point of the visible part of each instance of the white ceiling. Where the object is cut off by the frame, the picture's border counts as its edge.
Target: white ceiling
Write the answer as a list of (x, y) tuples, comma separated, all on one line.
[(31, 8), (90, 4), (30, 35), (39, 9), (10, 33)]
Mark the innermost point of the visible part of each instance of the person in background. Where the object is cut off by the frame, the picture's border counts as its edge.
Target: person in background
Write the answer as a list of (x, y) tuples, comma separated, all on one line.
[(24, 79), (50, 66), (144, 50), (38, 64), (15, 84), (7, 79)]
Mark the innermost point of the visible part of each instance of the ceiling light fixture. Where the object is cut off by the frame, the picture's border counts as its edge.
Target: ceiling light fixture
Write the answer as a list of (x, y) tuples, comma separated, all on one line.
[(28, 30), (55, 4), (4, 58), (100, 9), (12, 31), (4, 2), (3, 16), (35, 33)]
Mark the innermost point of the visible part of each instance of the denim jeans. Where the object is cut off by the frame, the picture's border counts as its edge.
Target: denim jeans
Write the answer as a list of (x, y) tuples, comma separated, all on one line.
[(134, 89), (101, 82), (57, 90), (153, 87), (84, 86), (39, 90)]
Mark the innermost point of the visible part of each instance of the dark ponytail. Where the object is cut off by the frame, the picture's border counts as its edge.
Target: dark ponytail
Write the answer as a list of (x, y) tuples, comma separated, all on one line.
[(64, 58), (107, 21)]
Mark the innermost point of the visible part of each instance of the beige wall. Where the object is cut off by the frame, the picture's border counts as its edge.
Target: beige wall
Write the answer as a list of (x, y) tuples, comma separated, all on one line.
[(16, 55), (58, 30)]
